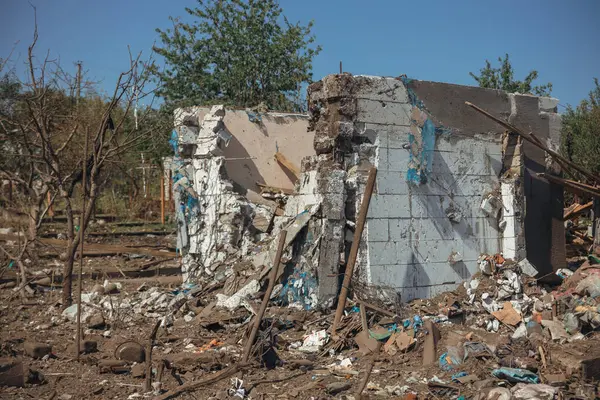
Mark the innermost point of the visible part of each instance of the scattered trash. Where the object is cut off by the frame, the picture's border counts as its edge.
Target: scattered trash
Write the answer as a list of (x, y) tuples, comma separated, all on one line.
[(237, 389), (314, 342)]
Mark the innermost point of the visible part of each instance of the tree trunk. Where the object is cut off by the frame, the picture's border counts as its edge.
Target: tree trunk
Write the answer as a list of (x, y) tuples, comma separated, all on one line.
[(67, 285), (73, 246)]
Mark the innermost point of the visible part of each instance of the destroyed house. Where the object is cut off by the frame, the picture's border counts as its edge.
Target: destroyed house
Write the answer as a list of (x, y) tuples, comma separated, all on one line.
[(451, 185)]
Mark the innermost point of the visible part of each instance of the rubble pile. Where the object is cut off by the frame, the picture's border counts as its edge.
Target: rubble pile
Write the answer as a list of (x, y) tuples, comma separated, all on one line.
[(501, 335)]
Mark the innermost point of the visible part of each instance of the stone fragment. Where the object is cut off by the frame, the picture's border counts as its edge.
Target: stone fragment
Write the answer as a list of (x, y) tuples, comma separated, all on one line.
[(138, 370), (99, 289), (116, 366), (11, 372), (86, 347), (35, 377), (96, 321), (37, 350), (337, 387)]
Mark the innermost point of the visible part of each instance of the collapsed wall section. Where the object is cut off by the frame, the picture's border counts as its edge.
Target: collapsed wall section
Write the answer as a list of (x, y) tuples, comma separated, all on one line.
[(228, 187)]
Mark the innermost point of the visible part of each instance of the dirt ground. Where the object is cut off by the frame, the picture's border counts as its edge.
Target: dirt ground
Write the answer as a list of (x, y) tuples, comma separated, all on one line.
[(203, 341)]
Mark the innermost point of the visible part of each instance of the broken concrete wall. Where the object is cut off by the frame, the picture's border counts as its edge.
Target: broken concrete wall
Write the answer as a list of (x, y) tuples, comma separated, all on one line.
[(441, 183), (255, 139), (220, 155)]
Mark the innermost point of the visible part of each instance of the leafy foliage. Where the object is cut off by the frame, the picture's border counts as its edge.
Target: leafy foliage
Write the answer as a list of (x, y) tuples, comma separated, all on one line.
[(239, 52), (503, 78), (581, 131)]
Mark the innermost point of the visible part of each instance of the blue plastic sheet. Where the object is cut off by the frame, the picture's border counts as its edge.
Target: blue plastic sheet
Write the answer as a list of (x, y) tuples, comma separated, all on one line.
[(448, 362), (516, 375), (458, 375)]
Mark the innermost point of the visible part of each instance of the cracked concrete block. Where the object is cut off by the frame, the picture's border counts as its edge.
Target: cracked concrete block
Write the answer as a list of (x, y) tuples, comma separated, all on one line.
[(333, 206), (378, 230), (331, 181), (398, 160), (548, 104), (329, 260), (396, 276), (391, 183), (379, 88), (336, 86), (389, 206), (372, 111)]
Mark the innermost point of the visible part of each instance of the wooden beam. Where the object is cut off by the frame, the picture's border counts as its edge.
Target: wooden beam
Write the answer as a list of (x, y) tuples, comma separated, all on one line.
[(578, 210), (287, 164), (360, 224), (572, 186), (531, 138), (269, 188)]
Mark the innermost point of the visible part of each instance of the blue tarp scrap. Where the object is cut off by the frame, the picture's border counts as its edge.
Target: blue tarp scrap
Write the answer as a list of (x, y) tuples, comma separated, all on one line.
[(420, 164), (299, 287), (254, 116), (516, 375), (174, 141), (448, 362)]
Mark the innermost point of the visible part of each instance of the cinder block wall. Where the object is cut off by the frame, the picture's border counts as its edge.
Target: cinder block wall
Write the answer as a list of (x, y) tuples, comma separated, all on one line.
[(413, 228), (430, 186)]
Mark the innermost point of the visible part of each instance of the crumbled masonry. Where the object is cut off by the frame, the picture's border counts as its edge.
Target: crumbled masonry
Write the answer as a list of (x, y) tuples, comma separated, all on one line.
[(451, 185)]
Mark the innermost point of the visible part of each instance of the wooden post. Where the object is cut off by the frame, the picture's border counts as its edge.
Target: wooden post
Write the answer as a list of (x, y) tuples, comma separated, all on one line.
[(162, 198), (360, 224), (171, 196), (265, 302), (596, 222), (148, 381)]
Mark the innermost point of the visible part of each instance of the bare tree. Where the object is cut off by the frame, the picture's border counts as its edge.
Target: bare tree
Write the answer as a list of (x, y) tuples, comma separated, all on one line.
[(51, 133)]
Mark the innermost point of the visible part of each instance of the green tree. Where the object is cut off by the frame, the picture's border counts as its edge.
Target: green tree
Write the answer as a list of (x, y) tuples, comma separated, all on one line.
[(239, 53), (581, 131), (503, 78)]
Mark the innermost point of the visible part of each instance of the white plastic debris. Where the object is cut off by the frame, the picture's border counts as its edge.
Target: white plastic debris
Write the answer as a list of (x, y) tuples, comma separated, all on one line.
[(533, 392), (527, 268), (485, 266), (520, 332), (234, 301), (238, 388), (488, 303), (493, 325), (312, 343)]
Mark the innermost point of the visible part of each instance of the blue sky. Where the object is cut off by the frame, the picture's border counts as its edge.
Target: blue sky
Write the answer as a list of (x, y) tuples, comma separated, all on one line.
[(430, 40)]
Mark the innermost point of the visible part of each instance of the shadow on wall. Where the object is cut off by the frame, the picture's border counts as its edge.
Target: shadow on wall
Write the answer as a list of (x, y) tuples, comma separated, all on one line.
[(447, 205), (240, 167)]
